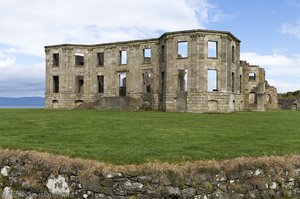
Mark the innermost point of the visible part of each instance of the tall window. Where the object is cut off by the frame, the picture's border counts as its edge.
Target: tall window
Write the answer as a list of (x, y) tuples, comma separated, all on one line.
[(233, 54), (182, 49), (100, 79), (123, 57), (147, 55), (212, 47), (122, 84), (232, 82), (79, 81), (212, 77), (182, 80), (241, 85), (100, 58), (79, 59), (55, 84), (55, 59), (162, 53), (252, 76)]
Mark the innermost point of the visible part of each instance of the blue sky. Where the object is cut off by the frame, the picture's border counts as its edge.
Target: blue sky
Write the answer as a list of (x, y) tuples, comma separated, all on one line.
[(269, 31)]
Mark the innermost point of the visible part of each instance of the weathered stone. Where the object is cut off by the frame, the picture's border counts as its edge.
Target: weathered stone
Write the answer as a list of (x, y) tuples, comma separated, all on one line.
[(17, 171), (102, 196), (258, 172), (233, 175), (58, 186), (7, 193), (112, 175), (172, 192), (273, 185), (132, 187), (219, 194), (108, 191), (144, 179), (188, 192), (107, 182), (5, 170), (91, 183), (120, 192)]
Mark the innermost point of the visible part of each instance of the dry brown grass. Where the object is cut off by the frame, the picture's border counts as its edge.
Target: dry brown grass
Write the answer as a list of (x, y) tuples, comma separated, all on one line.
[(55, 162)]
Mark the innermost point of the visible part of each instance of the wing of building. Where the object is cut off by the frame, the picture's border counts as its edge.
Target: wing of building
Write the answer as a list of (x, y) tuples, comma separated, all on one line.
[(194, 71)]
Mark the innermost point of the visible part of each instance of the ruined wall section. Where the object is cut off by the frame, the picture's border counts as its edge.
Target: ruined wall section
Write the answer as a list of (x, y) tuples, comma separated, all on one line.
[(41, 175), (254, 87), (89, 71), (196, 98), (271, 97)]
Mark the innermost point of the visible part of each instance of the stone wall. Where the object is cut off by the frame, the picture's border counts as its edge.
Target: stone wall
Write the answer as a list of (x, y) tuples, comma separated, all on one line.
[(289, 104), (40, 175)]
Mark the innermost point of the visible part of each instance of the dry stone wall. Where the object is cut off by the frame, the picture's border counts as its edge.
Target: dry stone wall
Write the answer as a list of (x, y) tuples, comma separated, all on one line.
[(40, 175)]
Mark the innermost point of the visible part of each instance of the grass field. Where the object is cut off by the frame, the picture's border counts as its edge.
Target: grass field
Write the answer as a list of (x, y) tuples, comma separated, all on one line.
[(138, 137)]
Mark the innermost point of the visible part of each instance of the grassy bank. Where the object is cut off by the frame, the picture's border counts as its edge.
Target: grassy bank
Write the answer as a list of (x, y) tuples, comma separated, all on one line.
[(137, 137)]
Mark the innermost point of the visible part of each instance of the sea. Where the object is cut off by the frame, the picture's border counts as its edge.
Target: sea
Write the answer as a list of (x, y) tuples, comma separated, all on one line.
[(16, 107)]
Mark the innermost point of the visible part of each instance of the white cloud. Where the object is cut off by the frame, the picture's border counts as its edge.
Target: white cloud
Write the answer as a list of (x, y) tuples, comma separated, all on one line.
[(7, 62), (281, 71), (19, 80), (291, 29), (30, 26)]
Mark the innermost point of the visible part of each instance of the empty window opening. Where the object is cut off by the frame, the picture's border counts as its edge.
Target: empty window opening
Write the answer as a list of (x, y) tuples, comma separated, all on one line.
[(162, 81), (122, 84), (232, 54), (162, 53), (55, 84), (79, 59), (241, 85), (147, 80), (100, 57), (182, 80), (123, 57), (252, 97), (212, 49), (100, 79), (56, 59), (147, 55), (162, 86), (79, 84), (232, 82), (148, 88), (182, 49), (268, 99), (252, 76), (212, 78)]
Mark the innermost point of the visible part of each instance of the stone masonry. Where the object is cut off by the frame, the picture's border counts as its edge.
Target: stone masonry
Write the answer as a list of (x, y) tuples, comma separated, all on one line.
[(194, 71), (34, 175)]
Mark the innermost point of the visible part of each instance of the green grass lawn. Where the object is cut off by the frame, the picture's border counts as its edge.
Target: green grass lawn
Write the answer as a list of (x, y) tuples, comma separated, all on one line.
[(137, 137)]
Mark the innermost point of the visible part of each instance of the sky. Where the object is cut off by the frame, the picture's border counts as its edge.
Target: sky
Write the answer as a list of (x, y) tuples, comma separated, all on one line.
[(269, 31)]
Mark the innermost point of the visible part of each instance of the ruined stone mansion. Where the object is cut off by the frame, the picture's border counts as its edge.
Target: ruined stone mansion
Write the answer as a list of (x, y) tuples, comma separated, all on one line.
[(194, 71)]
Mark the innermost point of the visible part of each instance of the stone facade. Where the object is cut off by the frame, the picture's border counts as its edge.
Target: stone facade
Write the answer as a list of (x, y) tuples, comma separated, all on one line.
[(187, 71)]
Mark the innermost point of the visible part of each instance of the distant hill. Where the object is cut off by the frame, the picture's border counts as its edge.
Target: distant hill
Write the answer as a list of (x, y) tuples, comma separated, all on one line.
[(290, 95), (22, 102)]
